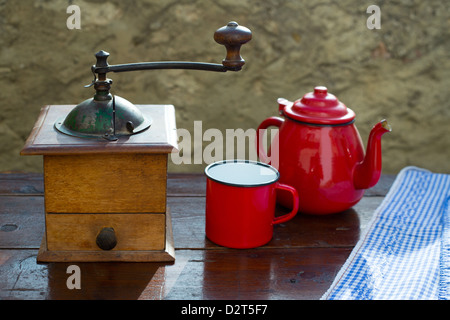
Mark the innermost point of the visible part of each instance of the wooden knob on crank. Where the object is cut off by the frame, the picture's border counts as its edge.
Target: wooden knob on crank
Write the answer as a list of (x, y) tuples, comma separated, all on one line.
[(233, 36), (106, 239)]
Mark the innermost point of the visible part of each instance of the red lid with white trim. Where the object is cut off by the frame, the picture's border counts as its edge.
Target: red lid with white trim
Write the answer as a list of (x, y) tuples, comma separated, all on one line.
[(319, 107)]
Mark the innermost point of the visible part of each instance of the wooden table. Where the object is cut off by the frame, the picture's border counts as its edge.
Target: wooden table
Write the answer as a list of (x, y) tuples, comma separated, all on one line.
[(300, 262)]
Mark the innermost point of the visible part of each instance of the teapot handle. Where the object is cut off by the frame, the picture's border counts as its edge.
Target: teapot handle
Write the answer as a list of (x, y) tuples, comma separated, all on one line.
[(272, 121)]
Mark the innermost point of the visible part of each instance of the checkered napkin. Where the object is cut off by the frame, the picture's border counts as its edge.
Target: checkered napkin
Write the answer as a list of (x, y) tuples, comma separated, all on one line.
[(405, 251)]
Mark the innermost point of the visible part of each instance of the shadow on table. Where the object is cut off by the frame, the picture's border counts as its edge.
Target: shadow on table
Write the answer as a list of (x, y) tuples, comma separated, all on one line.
[(101, 281)]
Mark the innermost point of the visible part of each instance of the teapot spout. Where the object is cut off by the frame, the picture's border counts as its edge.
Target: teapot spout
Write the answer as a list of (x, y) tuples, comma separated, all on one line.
[(368, 172)]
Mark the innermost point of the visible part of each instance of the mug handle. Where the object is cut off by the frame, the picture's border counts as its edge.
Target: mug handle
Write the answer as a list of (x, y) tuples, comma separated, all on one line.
[(291, 214), (272, 121)]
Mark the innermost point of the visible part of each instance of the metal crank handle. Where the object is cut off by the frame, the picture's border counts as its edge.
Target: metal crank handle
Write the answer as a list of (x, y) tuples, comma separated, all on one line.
[(232, 36)]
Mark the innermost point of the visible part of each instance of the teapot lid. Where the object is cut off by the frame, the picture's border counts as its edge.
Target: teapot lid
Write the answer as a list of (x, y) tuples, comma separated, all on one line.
[(319, 107)]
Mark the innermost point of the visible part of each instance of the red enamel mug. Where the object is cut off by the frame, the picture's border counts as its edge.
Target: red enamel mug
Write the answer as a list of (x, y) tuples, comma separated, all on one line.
[(240, 203)]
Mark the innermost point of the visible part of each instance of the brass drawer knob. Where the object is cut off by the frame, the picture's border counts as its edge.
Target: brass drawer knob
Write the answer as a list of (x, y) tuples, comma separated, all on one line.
[(106, 239)]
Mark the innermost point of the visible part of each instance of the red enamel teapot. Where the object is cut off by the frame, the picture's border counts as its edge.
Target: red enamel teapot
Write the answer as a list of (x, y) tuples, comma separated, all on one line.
[(319, 152)]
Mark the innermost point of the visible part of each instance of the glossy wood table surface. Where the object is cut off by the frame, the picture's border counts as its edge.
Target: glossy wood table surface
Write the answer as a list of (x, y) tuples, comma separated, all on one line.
[(300, 262)]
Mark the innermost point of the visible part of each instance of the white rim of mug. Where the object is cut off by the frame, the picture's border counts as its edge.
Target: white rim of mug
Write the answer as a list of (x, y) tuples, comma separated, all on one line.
[(243, 161)]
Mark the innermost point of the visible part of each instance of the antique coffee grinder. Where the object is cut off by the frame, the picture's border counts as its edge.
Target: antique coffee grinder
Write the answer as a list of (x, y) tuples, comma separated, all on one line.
[(105, 167)]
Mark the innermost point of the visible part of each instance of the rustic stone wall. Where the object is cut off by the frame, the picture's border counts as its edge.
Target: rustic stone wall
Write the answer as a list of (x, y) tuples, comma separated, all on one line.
[(399, 72)]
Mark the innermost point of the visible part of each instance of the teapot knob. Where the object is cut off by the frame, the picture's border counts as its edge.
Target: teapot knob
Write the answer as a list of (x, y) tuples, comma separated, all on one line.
[(233, 36), (320, 90)]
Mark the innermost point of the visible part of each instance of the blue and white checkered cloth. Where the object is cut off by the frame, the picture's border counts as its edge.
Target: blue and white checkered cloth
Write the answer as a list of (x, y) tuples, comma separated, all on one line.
[(404, 253)]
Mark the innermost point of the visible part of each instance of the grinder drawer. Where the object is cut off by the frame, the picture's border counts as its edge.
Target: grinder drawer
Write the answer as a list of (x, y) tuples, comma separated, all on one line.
[(132, 231)]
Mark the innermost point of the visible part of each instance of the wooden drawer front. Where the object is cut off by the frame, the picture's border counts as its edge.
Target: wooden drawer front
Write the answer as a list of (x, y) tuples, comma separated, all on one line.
[(79, 231), (111, 183)]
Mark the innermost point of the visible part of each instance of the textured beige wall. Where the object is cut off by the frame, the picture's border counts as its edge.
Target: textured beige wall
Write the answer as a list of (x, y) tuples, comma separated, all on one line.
[(400, 72)]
